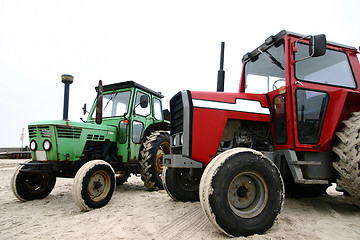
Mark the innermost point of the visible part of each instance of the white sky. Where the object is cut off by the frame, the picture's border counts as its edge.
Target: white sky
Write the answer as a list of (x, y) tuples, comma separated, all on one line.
[(167, 46)]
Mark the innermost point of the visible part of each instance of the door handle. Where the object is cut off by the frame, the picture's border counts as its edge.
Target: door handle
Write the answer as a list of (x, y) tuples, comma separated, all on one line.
[(298, 82)]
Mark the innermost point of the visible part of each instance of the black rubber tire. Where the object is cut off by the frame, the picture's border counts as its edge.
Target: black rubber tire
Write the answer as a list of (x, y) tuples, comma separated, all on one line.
[(181, 185), (348, 165), (241, 192), (156, 145), (28, 186), (94, 185)]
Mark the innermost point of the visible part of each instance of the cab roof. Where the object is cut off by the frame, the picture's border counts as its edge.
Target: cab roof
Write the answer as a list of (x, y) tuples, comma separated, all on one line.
[(273, 39), (129, 84)]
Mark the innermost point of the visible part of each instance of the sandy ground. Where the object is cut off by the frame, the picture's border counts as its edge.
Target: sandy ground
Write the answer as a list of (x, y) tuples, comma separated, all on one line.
[(135, 213)]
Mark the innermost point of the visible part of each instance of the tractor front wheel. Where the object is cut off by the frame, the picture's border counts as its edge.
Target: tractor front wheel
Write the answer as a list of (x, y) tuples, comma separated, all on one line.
[(182, 184), (241, 192), (30, 186), (94, 184)]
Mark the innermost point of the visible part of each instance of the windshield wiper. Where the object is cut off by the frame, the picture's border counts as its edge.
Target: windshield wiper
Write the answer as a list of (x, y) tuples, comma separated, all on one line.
[(111, 98), (271, 58)]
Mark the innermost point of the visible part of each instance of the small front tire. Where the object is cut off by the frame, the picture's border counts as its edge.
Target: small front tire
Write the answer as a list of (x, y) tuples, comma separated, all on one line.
[(94, 185), (241, 192), (182, 184), (28, 186)]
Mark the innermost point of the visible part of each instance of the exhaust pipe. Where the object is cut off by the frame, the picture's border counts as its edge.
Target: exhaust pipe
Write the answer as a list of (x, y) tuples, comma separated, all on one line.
[(67, 80), (221, 72)]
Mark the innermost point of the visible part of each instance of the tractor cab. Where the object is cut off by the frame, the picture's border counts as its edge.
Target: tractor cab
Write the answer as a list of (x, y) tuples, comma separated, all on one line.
[(306, 81)]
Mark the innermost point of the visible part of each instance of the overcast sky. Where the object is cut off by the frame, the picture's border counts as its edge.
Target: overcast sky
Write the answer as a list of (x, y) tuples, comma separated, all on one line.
[(167, 46)]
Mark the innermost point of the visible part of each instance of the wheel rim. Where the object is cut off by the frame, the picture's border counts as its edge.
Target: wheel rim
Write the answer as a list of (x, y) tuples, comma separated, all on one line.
[(99, 185), (163, 149), (36, 183), (247, 194), (188, 181)]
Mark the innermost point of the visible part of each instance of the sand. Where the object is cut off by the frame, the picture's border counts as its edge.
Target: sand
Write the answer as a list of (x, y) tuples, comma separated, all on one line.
[(135, 213)]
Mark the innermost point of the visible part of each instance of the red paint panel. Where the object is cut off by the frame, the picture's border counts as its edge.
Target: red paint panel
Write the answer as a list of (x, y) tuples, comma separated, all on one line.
[(208, 127)]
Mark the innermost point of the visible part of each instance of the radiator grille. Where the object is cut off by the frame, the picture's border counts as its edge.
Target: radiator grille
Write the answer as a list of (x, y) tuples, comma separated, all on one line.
[(32, 132), (45, 132), (68, 132), (95, 137), (176, 111)]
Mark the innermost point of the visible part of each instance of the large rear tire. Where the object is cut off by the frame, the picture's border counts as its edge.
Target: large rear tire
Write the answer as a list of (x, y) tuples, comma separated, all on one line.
[(182, 184), (348, 165), (241, 192), (154, 148), (28, 186), (94, 184)]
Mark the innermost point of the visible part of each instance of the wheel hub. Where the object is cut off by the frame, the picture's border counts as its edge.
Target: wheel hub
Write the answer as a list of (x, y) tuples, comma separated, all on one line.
[(99, 186), (242, 192), (164, 149), (247, 194)]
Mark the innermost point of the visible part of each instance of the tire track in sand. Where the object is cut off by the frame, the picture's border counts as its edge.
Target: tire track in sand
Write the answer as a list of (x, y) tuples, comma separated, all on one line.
[(187, 225)]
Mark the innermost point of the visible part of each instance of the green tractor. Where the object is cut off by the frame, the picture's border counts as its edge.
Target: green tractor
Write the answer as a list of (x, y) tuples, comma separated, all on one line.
[(125, 133)]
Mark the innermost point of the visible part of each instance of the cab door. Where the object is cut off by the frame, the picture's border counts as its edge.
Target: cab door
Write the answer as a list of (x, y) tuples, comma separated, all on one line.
[(141, 115), (314, 83)]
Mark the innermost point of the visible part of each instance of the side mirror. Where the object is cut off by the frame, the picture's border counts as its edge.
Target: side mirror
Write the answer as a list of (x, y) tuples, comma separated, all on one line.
[(166, 114), (99, 101), (144, 101), (84, 109), (317, 45)]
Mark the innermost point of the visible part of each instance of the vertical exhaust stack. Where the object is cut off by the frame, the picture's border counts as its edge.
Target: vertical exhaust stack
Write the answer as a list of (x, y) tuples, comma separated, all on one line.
[(221, 72), (67, 80)]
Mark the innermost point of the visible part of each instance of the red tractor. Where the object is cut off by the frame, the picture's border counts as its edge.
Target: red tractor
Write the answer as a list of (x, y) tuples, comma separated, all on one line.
[(294, 126)]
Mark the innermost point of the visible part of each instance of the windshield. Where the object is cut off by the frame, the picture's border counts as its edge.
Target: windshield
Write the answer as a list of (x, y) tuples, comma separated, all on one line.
[(265, 72), (115, 104)]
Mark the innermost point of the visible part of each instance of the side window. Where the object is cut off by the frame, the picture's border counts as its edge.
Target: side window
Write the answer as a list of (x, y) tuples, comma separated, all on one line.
[(139, 110), (310, 107), (122, 131), (280, 131), (157, 109), (137, 130), (332, 69)]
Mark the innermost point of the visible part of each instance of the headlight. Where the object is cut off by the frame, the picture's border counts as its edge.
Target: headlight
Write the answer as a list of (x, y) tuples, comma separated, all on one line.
[(47, 145), (33, 145)]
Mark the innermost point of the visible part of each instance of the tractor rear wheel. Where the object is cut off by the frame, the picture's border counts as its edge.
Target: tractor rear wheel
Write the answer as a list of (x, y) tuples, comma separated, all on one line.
[(30, 186), (94, 185), (154, 148), (241, 192), (182, 184), (348, 165)]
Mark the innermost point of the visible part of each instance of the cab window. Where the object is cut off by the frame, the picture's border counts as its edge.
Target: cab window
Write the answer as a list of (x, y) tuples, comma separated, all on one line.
[(157, 109), (139, 110), (262, 74), (331, 69), (115, 104)]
